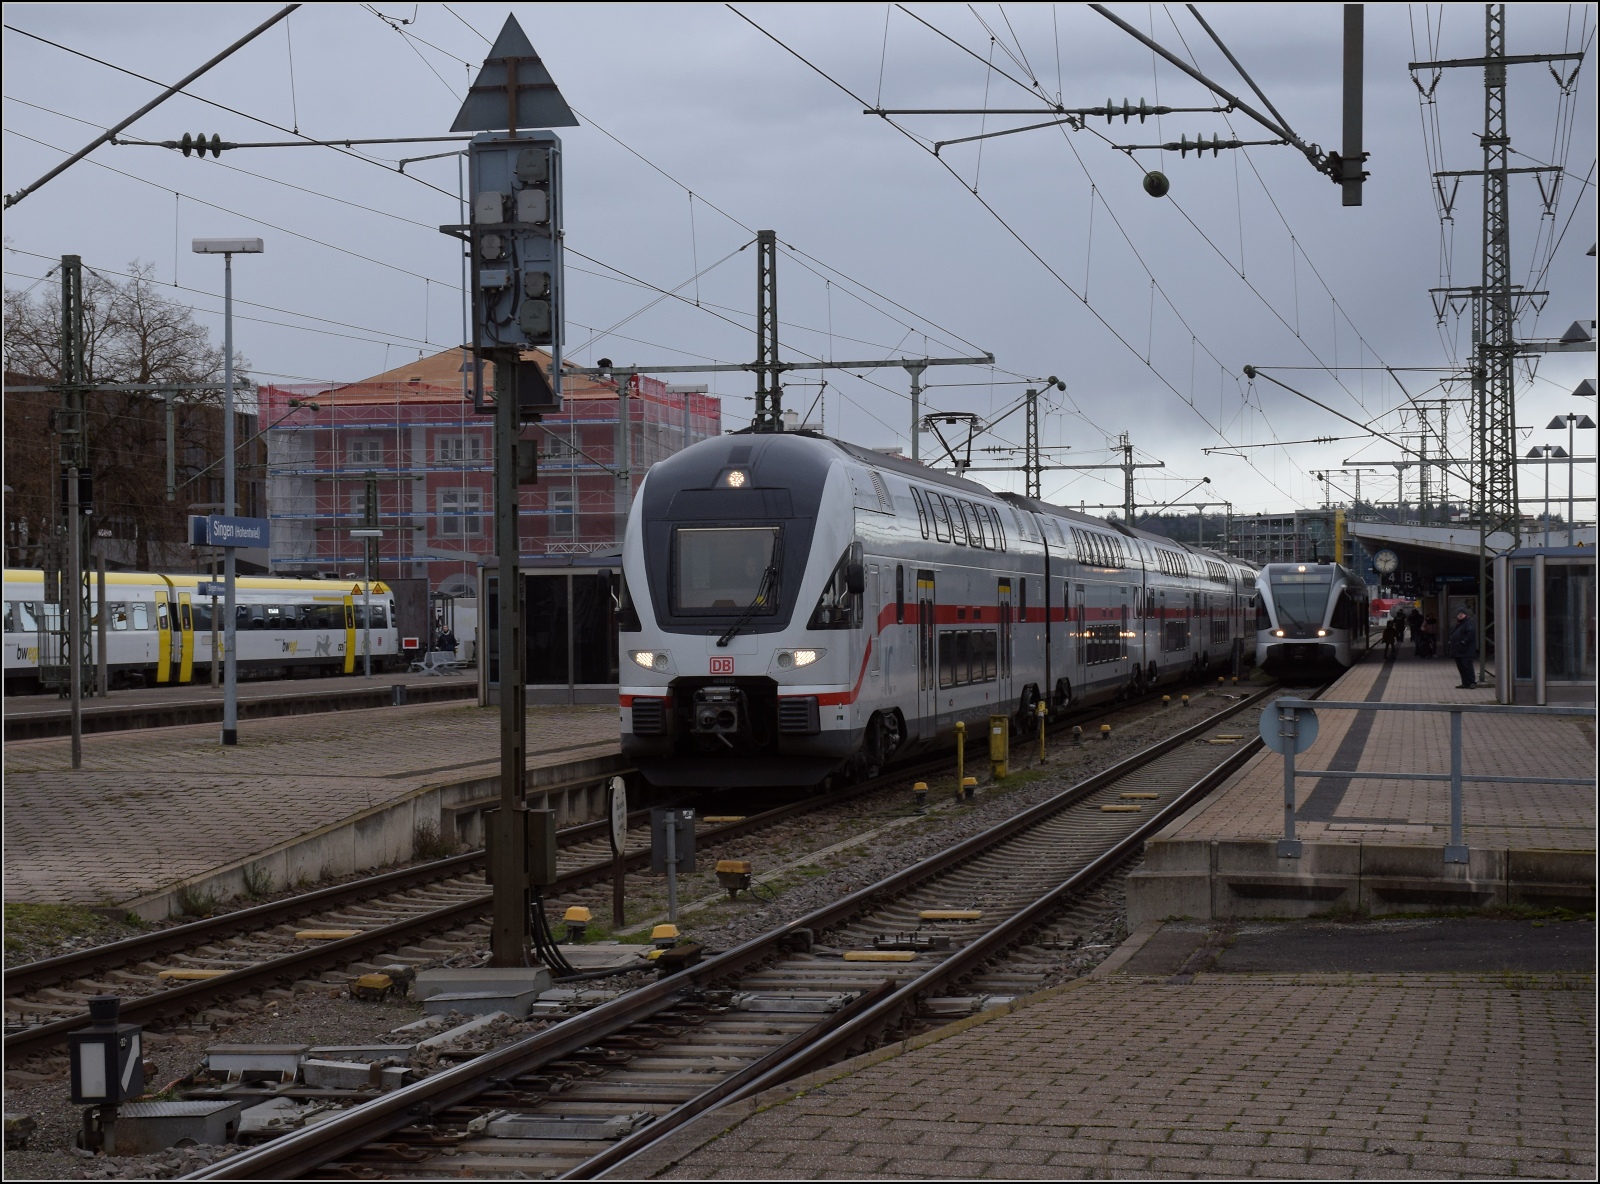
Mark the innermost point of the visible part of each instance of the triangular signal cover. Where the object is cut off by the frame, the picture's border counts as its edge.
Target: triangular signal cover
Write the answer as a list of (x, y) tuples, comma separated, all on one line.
[(539, 100)]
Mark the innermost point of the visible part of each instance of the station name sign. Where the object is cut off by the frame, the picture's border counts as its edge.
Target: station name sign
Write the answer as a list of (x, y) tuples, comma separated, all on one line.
[(219, 530)]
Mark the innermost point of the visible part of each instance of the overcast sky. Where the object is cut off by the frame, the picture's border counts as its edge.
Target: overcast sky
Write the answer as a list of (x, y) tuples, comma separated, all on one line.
[(1138, 304)]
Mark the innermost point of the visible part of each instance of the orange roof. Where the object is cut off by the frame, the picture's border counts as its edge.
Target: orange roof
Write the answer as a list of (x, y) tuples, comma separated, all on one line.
[(437, 379)]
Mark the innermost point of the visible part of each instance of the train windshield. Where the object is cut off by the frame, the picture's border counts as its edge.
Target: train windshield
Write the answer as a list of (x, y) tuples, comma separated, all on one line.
[(1301, 598), (719, 569)]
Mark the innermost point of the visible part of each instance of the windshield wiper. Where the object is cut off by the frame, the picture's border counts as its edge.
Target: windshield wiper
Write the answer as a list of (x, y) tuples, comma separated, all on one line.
[(767, 577)]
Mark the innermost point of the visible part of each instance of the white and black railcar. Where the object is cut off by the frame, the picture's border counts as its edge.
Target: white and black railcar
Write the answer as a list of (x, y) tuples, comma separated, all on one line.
[(159, 629), (795, 606), (1310, 618)]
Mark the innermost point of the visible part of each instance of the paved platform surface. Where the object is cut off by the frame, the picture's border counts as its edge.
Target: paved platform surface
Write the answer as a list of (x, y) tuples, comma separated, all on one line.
[(25, 708), (1146, 1072), (152, 807), (1416, 813)]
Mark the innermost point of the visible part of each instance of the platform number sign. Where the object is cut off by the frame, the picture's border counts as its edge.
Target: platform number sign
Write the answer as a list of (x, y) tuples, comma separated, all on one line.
[(721, 665)]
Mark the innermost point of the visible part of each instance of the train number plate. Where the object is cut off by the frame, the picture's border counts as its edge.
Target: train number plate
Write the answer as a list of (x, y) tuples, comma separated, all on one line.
[(721, 665)]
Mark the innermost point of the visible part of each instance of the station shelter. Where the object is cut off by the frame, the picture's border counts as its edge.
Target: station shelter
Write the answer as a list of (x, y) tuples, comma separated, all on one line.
[(570, 605), (1547, 654)]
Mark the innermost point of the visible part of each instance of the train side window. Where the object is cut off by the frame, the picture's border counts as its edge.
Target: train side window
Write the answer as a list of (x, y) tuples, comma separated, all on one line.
[(1022, 599), (200, 613), (941, 517), (947, 659), (991, 656), (274, 617), (1263, 621), (119, 616), (380, 617), (161, 614), (22, 616), (980, 528), (140, 614), (922, 510), (899, 594), (999, 530)]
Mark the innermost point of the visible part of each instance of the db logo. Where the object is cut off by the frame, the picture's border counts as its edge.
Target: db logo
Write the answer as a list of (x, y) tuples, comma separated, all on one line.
[(721, 665)]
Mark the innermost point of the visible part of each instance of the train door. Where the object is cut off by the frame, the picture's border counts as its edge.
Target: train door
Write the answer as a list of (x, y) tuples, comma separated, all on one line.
[(349, 635), (1003, 644), (1078, 618), (875, 618), (163, 633), (927, 654), (1123, 633), (184, 641)]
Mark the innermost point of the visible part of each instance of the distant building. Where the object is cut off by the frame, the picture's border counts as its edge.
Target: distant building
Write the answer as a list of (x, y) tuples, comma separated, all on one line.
[(412, 436), (1296, 537)]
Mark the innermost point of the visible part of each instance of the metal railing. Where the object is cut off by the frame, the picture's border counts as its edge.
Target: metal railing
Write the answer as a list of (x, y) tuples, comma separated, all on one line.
[(1288, 714)]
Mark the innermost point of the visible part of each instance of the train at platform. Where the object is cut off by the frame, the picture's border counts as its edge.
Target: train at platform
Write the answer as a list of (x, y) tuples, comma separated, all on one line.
[(1311, 619), (796, 610), (160, 629)]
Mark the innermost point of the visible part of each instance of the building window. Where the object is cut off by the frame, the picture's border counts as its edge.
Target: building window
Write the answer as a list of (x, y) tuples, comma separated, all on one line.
[(562, 518), (365, 450), (459, 448), (358, 505), (555, 448), (460, 513)]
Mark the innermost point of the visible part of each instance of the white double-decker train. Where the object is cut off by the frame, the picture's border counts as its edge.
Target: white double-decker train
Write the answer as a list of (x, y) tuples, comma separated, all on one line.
[(159, 628), (795, 607), (1311, 618)]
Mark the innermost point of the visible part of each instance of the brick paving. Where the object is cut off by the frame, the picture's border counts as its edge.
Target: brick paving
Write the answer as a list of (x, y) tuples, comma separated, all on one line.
[(1560, 817), (1279, 1076), (154, 806)]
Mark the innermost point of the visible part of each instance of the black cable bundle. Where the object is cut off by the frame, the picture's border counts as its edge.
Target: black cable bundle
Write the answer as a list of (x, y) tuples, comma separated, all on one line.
[(544, 944)]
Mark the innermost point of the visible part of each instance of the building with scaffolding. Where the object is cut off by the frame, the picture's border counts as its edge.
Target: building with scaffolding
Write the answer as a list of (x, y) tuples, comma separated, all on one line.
[(409, 443)]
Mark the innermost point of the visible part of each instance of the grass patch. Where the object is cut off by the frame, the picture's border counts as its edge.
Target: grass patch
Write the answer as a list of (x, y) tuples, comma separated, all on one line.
[(427, 844), (196, 902), (32, 925), (257, 882)]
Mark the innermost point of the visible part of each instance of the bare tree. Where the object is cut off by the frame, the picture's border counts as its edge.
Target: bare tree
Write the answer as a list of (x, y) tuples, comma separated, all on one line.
[(133, 333)]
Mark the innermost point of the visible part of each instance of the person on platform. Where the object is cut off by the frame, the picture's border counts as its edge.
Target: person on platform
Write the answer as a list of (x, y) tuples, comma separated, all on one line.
[(1390, 630), (1428, 647), (1414, 618), (447, 642), (1463, 647)]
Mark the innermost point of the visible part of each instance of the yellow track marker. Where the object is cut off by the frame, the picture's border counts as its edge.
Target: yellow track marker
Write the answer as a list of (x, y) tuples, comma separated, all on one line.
[(878, 955), (723, 818), (950, 914), (1228, 736), (184, 976), (1120, 809), (327, 934), (1144, 797)]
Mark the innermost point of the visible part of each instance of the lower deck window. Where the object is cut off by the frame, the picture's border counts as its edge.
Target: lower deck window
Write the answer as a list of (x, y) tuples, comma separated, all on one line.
[(968, 656)]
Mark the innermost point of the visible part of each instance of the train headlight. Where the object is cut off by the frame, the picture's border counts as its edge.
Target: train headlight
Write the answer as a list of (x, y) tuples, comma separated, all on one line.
[(659, 660), (1322, 633), (794, 659), (1277, 633)]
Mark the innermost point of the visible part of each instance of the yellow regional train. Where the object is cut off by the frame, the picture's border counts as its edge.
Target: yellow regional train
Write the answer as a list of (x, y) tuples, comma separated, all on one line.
[(160, 629)]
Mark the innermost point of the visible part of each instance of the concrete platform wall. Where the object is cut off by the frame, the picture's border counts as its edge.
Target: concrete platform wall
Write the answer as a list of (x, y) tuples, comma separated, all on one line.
[(387, 834), (1245, 878)]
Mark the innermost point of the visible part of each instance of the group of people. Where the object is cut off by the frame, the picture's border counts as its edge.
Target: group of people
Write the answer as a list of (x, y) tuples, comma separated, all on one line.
[(1462, 644)]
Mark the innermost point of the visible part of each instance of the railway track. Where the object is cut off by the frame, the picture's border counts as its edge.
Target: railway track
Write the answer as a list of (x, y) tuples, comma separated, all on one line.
[(579, 1098), (396, 917)]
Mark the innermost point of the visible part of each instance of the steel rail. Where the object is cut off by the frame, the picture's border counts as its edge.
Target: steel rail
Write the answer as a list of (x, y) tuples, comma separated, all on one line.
[(312, 1147), (31, 976)]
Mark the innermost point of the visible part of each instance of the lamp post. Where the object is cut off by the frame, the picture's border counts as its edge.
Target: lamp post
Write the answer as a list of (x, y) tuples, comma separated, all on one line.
[(1572, 422), (1545, 452), (228, 248), (366, 535)]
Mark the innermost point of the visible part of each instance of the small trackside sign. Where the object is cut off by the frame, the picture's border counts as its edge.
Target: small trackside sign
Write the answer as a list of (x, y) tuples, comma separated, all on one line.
[(410, 643), (721, 665)]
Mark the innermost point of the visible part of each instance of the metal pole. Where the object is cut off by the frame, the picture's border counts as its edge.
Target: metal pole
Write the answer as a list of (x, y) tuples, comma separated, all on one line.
[(102, 671), (916, 410), (1289, 730), (230, 667), (624, 455), (1546, 449), (1456, 852), (672, 867), (1572, 447), (73, 603), (509, 937), (172, 447), (366, 608)]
